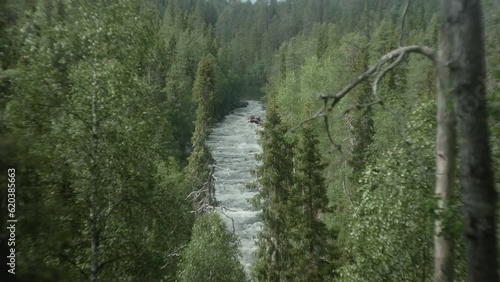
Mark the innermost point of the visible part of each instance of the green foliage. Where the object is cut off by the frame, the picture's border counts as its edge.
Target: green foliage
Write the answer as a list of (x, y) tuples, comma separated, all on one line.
[(396, 203), (355, 54), (388, 125), (275, 178), (295, 243), (163, 72), (212, 253), (313, 254), (203, 95), (80, 52), (380, 185)]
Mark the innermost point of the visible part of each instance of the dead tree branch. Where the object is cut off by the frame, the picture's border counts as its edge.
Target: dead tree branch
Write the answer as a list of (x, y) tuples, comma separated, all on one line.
[(327, 128), (423, 50), (311, 118), (362, 106), (382, 73), (204, 198), (403, 18), (331, 100), (348, 193), (175, 253), (223, 210)]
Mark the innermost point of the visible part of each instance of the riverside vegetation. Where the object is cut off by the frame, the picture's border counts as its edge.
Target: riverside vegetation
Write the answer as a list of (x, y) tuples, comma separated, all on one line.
[(106, 105)]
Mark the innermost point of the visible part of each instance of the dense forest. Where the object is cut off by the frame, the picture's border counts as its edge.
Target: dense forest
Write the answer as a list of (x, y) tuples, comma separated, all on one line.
[(381, 140)]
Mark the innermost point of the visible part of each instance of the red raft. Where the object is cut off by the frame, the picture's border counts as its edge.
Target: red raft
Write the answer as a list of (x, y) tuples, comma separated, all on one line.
[(254, 119)]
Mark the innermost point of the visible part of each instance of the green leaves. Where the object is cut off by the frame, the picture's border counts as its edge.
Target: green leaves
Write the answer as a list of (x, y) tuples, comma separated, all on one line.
[(395, 198), (212, 254), (97, 51)]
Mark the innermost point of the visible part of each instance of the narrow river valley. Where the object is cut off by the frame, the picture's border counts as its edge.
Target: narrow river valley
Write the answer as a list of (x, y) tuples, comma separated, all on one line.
[(234, 143)]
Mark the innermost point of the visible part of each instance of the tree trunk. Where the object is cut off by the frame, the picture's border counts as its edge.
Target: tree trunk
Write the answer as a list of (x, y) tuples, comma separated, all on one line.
[(445, 174), (94, 232), (462, 49)]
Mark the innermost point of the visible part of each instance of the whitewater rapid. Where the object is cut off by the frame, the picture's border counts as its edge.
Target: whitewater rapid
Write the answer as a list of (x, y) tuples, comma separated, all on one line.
[(233, 144)]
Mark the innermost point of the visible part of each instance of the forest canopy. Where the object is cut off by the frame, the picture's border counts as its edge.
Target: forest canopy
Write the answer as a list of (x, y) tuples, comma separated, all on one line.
[(106, 106)]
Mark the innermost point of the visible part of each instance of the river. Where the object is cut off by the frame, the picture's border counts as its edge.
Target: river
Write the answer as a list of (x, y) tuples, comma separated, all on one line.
[(234, 143)]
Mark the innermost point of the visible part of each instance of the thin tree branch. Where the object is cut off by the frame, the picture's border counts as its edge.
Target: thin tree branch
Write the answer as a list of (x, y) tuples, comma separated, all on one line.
[(73, 263), (401, 34), (311, 118), (173, 254), (110, 209), (360, 106), (423, 50), (113, 260), (345, 188), (394, 113), (327, 128), (207, 191), (399, 54), (222, 211), (382, 74)]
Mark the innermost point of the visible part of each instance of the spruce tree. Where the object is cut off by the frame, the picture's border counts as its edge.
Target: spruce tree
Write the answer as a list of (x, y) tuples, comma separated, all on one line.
[(362, 128), (203, 96), (275, 176), (312, 246)]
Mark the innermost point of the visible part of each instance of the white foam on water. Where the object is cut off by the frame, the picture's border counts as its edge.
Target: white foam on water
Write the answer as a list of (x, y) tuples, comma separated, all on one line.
[(233, 144)]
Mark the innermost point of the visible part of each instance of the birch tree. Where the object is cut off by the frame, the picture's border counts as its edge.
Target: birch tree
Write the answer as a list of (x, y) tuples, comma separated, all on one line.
[(460, 70)]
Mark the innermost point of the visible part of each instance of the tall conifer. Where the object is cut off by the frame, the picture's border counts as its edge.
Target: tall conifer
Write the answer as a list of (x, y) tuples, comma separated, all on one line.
[(312, 247), (203, 95), (275, 176)]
